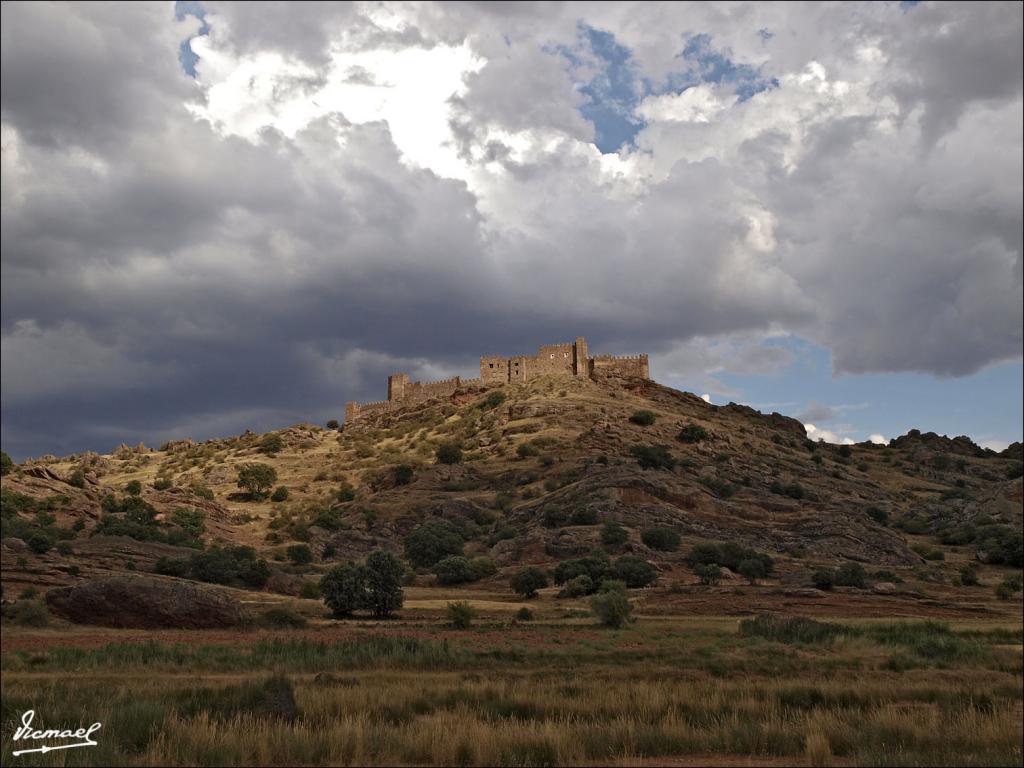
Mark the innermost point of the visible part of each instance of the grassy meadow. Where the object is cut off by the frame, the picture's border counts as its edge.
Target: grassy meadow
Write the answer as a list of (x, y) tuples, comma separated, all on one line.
[(677, 691)]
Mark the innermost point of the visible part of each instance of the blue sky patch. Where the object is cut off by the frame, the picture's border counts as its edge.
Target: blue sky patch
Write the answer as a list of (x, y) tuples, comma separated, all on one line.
[(186, 56)]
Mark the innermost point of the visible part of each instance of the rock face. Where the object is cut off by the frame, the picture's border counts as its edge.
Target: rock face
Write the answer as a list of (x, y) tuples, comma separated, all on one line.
[(145, 602)]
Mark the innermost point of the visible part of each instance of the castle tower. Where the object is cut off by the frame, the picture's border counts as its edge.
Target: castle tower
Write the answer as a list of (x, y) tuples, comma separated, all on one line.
[(351, 411), (396, 386), (580, 362)]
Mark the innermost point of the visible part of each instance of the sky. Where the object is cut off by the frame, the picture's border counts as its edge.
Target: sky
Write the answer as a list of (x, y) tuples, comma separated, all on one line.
[(229, 216)]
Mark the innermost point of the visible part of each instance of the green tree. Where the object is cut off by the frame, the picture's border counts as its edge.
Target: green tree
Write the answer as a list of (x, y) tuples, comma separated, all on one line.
[(280, 494), (653, 457), (612, 607), (528, 581), (643, 418), (634, 571), (256, 478), (851, 575), (709, 575), (133, 488), (191, 520), (384, 575), (431, 542), (162, 483), (692, 433), (663, 539), (613, 535), (461, 614), (454, 569), (77, 478), (449, 453), (332, 424), (6, 465), (403, 474), (824, 578), (343, 589), (300, 554), (270, 444), (751, 570)]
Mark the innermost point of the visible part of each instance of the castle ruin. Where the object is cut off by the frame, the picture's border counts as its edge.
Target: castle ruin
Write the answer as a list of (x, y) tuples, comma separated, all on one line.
[(569, 359)]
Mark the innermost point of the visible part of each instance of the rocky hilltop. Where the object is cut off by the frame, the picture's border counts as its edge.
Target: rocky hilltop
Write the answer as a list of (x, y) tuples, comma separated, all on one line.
[(529, 474)]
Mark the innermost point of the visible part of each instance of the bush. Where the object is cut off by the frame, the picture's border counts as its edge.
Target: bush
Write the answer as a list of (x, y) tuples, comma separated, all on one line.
[(461, 614), (662, 539), (300, 554), (528, 581), (345, 493), (233, 566), (133, 488), (27, 613), (969, 575), (403, 474), (1008, 587), (709, 575), (40, 541), (449, 453), (6, 465), (751, 570), (310, 590), (202, 491), (851, 575), (583, 516), (692, 433), (596, 567), (643, 418), (332, 424), (343, 589), (634, 571), (64, 548), (162, 484), (525, 450), (653, 457), (256, 479), (270, 444), (613, 535), (524, 614), (482, 568), (492, 400), (824, 578), (280, 494), (328, 519), (612, 608), (1001, 545), (282, 617), (454, 569), (190, 520), (792, 490), (577, 587), (171, 566), (728, 555), (880, 516), (432, 542), (77, 478), (789, 630)]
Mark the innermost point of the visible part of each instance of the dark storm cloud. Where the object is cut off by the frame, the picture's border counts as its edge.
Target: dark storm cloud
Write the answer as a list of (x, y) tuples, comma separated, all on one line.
[(162, 278)]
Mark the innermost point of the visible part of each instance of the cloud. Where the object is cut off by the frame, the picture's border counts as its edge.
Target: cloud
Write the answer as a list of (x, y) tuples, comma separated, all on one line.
[(877, 439), (347, 188), (825, 435)]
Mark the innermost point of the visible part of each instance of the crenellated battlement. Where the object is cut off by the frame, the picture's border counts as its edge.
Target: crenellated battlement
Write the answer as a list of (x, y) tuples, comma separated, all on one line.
[(562, 359)]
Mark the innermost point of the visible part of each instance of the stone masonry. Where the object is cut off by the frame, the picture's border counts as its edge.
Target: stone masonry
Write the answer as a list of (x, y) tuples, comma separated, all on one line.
[(569, 359)]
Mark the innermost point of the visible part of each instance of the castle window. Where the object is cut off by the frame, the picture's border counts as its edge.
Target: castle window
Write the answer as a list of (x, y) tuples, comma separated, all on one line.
[(564, 354), (552, 355), (492, 365)]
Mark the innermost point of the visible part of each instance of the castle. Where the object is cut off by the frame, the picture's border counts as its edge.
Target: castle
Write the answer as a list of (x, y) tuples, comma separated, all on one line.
[(569, 359)]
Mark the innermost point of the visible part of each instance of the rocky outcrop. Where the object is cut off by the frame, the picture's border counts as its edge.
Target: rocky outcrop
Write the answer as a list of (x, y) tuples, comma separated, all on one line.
[(961, 446), (146, 602)]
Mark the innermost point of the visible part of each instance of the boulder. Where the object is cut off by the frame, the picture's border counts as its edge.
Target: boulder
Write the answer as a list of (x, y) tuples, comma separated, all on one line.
[(884, 588), (145, 602)]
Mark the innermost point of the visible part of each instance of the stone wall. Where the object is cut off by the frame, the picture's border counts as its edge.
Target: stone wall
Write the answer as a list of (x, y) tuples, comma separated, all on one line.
[(626, 365)]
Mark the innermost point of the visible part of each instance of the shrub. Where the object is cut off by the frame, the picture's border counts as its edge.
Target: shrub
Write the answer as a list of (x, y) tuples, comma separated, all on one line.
[(171, 566), (233, 566), (345, 493), (1001, 545), (403, 474), (851, 575), (280, 494), (332, 424), (190, 520), (792, 490), (6, 465), (282, 617), (492, 400), (577, 587), (662, 539), (728, 555), (643, 418), (77, 478), (583, 516), (431, 542), (27, 613), (449, 453), (40, 541), (162, 484), (709, 575), (612, 608), (929, 553), (969, 575), (1008, 587), (594, 566), (634, 571), (133, 488), (482, 568), (525, 450), (824, 578), (692, 433), (880, 516), (384, 575), (461, 614), (300, 554), (751, 570), (310, 590), (202, 491), (613, 535), (64, 548), (845, 451), (524, 614), (343, 589), (454, 569), (528, 581), (328, 519), (270, 444), (653, 457), (256, 479)]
